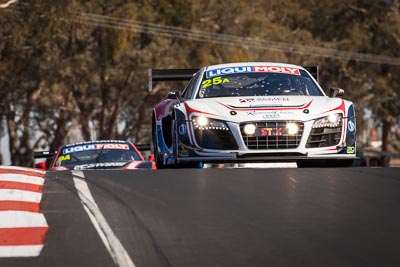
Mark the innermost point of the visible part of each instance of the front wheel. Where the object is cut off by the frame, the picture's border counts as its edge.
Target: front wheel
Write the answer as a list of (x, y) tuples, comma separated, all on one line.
[(157, 157), (175, 148)]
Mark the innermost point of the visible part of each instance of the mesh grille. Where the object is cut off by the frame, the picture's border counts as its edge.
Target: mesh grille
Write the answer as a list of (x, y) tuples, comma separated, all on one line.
[(323, 137), (272, 135), (215, 139)]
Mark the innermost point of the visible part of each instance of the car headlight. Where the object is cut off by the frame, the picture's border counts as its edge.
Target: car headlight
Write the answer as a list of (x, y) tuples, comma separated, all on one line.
[(331, 121), (204, 123), (249, 129), (292, 128)]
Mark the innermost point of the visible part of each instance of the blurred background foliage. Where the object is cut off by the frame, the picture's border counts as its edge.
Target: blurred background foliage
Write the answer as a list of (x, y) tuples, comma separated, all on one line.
[(77, 70)]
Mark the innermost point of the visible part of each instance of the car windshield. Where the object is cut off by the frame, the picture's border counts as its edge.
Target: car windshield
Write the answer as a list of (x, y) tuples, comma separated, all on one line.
[(95, 155), (257, 84)]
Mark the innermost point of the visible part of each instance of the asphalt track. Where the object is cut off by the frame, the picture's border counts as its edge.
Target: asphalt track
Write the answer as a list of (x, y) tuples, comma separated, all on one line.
[(221, 217)]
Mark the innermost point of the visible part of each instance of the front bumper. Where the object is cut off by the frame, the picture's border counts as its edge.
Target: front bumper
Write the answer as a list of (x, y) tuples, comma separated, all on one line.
[(266, 157), (265, 149)]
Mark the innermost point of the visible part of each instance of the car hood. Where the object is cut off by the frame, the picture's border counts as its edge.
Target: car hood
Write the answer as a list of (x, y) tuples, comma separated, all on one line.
[(239, 109)]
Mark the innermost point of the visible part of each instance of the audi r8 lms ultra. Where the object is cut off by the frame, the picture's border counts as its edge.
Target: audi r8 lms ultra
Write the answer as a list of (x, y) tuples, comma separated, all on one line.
[(103, 154), (252, 112)]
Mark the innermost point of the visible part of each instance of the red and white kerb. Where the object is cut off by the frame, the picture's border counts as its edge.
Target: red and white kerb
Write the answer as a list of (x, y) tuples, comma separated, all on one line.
[(22, 225)]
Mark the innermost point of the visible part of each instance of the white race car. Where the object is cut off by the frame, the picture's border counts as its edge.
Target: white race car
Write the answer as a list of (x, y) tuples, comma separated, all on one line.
[(252, 112)]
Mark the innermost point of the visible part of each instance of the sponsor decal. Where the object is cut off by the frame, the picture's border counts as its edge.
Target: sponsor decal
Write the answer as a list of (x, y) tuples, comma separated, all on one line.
[(268, 106), (263, 105), (95, 147), (213, 81), (277, 69), (248, 100), (284, 112), (268, 99), (224, 71), (271, 132), (351, 126), (263, 99), (79, 148), (95, 142), (351, 150), (183, 151), (99, 165), (271, 116), (182, 129), (62, 158), (202, 92), (241, 69)]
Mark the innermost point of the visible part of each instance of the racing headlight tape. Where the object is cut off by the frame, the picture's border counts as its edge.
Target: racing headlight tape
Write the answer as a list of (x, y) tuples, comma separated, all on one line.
[(204, 123), (330, 121)]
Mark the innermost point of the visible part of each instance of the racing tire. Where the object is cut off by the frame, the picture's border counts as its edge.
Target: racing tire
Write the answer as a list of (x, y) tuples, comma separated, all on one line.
[(157, 156), (182, 165)]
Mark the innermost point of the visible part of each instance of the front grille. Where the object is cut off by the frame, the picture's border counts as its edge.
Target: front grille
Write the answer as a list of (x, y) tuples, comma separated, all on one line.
[(272, 135), (323, 137), (215, 139)]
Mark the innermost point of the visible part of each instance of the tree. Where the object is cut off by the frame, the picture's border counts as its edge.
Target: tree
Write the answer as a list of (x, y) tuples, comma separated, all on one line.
[(367, 27), (22, 53), (78, 69)]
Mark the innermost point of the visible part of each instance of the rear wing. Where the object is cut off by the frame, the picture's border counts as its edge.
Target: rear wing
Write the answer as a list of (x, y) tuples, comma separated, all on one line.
[(44, 154), (145, 150), (143, 147), (169, 75), (187, 74), (313, 70)]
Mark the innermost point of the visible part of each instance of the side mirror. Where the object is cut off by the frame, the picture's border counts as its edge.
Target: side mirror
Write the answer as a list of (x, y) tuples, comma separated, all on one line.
[(40, 165), (175, 95), (334, 91)]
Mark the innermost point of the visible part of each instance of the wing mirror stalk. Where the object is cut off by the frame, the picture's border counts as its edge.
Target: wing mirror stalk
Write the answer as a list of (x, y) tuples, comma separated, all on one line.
[(335, 91), (41, 165), (175, 95)]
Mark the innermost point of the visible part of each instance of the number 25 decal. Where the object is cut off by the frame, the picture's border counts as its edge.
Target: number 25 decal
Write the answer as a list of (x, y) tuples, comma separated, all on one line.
[(213, 81)]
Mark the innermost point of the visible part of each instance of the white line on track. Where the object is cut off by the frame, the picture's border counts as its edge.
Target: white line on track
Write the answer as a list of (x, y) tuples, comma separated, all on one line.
[(110, 240)]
